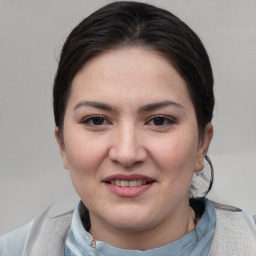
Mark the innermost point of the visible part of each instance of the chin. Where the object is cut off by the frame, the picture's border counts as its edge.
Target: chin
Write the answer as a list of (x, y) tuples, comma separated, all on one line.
[(131, 222)]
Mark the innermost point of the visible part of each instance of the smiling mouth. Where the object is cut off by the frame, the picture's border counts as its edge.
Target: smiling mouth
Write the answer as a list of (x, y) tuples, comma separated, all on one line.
[(130, 183)]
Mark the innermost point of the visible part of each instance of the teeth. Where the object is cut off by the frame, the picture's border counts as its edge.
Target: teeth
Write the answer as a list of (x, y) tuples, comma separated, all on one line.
[(131, 183), (124, 183)]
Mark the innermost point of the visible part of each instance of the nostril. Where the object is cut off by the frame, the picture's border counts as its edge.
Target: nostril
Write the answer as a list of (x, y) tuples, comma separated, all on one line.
[(127, 154)]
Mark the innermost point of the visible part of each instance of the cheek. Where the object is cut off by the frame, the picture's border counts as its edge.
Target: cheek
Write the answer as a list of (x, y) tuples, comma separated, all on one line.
[(84, 158), (176, 154), (84, 154)]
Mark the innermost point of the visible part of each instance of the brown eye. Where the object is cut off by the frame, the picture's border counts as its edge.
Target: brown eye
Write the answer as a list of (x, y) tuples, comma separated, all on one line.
[(95, 121), (161, 121)]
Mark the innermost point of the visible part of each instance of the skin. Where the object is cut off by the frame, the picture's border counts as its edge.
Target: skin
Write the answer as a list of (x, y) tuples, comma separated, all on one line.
[(128, 139)]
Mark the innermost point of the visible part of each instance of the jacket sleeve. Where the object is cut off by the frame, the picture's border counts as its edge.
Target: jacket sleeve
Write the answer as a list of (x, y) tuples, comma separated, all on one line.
[(13, 243)]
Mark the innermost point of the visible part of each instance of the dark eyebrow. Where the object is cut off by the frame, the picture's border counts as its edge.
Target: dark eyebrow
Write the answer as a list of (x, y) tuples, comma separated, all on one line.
[(157, 105), (146, 108), (94, 104)]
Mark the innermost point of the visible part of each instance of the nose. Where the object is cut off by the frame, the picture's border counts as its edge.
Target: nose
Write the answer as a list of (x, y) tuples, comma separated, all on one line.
[(127, 146)]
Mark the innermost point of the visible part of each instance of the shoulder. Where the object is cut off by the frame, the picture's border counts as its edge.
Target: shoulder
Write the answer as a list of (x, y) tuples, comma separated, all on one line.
[(225, 210), (235, 232), (18, 238), (48, 234), (48, 228), (254, 219)]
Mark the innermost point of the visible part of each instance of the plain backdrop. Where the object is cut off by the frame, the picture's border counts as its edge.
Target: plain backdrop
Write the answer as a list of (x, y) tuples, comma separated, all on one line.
[(32, 33)]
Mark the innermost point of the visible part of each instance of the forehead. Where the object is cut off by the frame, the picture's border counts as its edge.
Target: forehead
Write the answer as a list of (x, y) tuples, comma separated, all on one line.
[(129, 74)]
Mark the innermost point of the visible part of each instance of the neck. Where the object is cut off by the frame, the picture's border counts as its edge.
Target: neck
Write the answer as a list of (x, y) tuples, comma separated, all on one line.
[(171, 229)]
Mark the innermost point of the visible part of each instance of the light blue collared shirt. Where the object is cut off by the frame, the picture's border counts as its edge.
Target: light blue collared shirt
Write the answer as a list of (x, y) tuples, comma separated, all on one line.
[(197, 242)]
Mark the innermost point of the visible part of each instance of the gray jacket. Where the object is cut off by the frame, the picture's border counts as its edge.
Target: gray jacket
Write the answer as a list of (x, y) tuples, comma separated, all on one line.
[(235, 235)]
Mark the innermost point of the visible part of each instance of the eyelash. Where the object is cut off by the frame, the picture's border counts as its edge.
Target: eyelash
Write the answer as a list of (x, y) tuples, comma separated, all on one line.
[(167, 121), (88, 121)]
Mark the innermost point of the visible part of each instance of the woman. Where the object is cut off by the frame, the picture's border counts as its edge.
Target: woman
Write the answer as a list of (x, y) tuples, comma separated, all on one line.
[(133, 103)]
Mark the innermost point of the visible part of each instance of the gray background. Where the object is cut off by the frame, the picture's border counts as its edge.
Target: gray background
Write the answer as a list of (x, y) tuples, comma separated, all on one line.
[(31, 35)]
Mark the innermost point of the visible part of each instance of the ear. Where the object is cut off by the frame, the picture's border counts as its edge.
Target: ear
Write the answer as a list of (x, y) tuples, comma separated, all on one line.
[(61, 147), (204, 144)]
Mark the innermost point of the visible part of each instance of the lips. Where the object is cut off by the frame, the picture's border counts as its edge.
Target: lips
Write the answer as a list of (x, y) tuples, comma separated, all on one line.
[(128, 185)]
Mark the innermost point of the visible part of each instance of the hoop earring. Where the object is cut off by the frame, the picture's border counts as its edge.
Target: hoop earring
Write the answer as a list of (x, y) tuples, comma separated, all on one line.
[(207, 158)]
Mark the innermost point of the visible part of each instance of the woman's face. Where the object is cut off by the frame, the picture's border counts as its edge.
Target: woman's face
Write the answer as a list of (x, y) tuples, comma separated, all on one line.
[(131, 140)]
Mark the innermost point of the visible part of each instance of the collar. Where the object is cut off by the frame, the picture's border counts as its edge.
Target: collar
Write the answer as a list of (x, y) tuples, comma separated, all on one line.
[(80, 242)]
